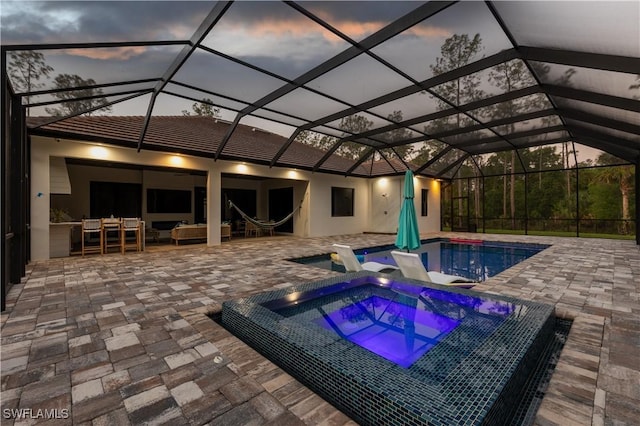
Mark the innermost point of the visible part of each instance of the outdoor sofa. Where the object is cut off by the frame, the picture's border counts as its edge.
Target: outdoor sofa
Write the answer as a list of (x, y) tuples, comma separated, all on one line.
[(197, 232), (189, 232)]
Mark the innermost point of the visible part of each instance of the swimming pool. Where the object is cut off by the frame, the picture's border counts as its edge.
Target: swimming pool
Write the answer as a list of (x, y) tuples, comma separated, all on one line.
[(400, 322), (476, 260), (480, 349)]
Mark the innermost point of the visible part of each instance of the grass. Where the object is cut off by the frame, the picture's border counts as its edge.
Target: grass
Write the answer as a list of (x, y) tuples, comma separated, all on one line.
[(554, 233)]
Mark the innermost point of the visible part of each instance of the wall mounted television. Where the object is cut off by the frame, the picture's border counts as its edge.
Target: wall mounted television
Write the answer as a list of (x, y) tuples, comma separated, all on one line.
[(168, 201)]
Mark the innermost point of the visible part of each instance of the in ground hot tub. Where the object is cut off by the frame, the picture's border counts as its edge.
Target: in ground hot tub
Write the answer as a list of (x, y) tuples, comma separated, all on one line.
[(397, 351)]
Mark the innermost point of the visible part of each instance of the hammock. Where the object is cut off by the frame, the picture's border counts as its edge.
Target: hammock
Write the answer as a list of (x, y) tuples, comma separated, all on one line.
[(265, 225)]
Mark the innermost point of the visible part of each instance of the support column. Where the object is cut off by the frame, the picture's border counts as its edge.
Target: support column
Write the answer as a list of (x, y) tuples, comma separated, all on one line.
[(637, 173), (484, 206), (19, 204), (577, 201), (5, 179), (40, 204), (526, 203), (214, 218)]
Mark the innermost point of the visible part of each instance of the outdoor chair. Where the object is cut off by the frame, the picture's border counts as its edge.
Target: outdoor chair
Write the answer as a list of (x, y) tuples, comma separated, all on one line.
[(111, 225), (130, 225), (351, 263), (268, 228), (92, 227), (251, 229), (412, 267), (225, 231)]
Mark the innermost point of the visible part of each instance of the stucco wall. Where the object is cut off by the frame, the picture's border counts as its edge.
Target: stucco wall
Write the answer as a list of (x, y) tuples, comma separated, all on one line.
[(78, 202), (44, 148), (300, 190), (321, 221), (386, 199), (431, 222), (386, 202), (314, 189)]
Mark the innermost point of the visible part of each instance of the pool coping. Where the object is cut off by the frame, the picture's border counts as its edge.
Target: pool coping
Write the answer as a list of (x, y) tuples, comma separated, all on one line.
[(325, 256)]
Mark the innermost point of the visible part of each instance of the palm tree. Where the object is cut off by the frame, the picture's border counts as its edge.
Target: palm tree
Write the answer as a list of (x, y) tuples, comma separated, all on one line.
[(623, 177)]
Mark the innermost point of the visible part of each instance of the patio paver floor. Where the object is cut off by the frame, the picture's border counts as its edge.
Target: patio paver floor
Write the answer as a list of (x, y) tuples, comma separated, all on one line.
[(119, 339)]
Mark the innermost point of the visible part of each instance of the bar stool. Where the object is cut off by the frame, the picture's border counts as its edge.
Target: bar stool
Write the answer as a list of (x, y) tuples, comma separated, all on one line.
[(111, 225), (130, 224), (92, 227)]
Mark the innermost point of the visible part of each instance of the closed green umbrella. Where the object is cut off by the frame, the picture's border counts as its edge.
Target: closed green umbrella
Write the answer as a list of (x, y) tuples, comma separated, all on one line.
[(408, 232)]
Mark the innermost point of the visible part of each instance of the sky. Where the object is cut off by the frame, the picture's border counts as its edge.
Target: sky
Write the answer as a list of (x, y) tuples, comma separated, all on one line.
[(270, 35), (282, 41)]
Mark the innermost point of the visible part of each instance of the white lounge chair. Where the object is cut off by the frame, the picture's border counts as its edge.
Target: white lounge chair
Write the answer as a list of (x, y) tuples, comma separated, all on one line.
[(351, 263), (412, 267)]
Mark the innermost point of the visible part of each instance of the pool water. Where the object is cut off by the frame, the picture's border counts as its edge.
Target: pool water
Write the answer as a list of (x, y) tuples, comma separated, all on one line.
[(476, 260), (452, 356), (400, 323), (397, 332)]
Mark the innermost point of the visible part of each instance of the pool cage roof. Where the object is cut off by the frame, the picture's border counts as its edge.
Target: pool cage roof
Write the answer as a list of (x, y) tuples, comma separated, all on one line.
[(356, 88)]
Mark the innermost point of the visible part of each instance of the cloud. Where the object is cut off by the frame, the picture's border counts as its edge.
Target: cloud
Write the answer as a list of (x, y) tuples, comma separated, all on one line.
[(271, 35), (100, 21), (428, 31), (359, 28), (356, 19), (282, 29), (103, 21), (106, 54)]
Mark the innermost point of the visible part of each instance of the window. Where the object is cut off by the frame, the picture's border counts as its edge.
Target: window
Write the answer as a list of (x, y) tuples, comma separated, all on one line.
[(341, 201), (425, 202), (115, 198), (168, 201), (245, 199)]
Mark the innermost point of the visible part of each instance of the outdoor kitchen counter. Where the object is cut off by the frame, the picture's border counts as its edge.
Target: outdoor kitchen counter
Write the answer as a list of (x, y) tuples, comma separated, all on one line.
[(60, 234)]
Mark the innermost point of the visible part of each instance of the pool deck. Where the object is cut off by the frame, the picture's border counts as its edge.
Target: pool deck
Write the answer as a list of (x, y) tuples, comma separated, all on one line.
[(122, 340)]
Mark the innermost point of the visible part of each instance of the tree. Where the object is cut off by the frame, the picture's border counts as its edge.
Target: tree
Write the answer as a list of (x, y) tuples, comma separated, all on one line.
[(316, 140), (353, 124), (428, 150), (623, 177), (636, 88), (84, 99), (544, 198), (204, 108), (510, 76), (397, 135), (456, 52), (565, 80), (25, 69)]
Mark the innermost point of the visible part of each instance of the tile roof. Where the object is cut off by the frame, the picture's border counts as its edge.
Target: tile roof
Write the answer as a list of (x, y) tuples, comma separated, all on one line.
[(202, 136)]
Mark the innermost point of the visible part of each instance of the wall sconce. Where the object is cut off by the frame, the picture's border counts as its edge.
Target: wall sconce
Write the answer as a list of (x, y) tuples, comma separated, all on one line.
[(99, 152), (384, 195), (176, 160)]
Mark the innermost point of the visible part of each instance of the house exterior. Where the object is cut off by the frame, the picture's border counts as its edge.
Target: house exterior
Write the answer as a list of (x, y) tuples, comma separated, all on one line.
[(179, 154)]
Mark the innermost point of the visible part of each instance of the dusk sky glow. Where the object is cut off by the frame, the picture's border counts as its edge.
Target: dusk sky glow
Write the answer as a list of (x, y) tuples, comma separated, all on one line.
[(280, 44)]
